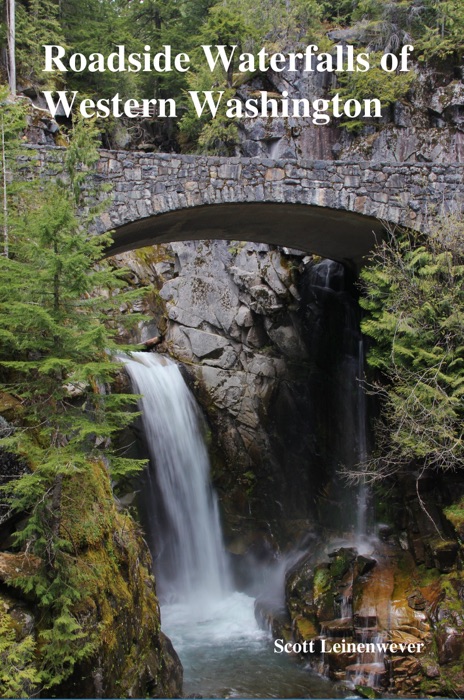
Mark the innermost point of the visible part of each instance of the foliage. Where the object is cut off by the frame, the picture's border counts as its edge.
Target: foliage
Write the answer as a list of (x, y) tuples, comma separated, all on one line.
[(414, 304), (338, 11), (18, 676), (388, 87), (434, 27), (99, 25), (274, 24), (444, 36), (59, 318), (37, 23), (218, 136), (12, 120)]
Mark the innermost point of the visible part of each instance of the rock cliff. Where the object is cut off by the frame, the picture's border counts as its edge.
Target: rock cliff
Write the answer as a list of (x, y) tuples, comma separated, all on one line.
[(269, 341), (128, 655)]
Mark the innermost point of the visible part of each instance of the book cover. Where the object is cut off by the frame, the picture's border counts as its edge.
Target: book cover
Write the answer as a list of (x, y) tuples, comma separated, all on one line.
[(232, 349)]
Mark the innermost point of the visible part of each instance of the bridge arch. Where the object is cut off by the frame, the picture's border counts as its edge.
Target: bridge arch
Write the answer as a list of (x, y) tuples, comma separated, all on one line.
[(333, 208), (343, 236)]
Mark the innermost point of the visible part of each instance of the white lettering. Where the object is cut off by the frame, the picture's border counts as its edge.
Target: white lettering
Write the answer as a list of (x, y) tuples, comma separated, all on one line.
[(50, 59), (208, 101), (62, 102), (221, 56)]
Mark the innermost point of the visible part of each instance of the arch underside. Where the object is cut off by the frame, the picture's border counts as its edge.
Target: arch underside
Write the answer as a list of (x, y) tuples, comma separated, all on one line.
[(340, 235)]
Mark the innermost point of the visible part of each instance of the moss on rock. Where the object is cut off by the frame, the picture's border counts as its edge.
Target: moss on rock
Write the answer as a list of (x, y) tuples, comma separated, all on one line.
[(118, 609)]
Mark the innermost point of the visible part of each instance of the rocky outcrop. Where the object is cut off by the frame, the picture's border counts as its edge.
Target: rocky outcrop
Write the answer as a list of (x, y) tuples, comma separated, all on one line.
[(426, 125), (375, 621), (262, 335), (230, 315), (405, 589), (117, 610), (269, 341)]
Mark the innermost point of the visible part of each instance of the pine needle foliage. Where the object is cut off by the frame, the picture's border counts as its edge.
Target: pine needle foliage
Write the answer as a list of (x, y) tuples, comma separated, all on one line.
[(18, 676), (414, 314), (59, 317)]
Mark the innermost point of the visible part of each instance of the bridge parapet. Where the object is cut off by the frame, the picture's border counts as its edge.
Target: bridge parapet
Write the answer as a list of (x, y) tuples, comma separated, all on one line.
[(149, 185)]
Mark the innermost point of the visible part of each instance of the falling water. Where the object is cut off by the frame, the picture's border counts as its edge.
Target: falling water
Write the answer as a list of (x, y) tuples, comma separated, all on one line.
[(363, 493), (344, 353), (192, 560), (223, 651)]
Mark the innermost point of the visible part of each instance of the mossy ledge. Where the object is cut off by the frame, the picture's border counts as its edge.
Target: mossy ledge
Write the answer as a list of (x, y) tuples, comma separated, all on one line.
[(118, 611)]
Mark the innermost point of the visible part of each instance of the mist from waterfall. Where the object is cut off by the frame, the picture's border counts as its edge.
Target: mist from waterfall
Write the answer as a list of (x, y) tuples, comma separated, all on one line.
[(191, 560), (213, 628)]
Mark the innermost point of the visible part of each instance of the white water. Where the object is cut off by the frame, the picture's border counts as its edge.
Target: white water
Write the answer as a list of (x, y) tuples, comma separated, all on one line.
[(226, 655), (192, 562), (223, 651)]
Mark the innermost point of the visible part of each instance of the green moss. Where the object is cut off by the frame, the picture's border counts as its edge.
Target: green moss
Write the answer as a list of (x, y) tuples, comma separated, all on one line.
[(87, 507), (117, 609), (455, 514), (305, 629), (340, 565), (450, 593), (322, 582), (151, 255), (426, 576)]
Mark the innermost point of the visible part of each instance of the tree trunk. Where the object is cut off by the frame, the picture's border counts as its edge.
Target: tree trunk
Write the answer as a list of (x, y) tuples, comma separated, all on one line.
[(11, 29), (5, 200)]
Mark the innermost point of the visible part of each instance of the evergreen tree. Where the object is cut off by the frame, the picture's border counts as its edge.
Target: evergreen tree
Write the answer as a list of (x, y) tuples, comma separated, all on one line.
[(18, 676), (37, 23), (414, 304), (58, 323)]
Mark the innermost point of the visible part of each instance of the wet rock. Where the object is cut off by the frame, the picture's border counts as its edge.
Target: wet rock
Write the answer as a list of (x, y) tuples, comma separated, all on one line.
[(342, 560), (416, 601), (450, 644), (273, 617), (364, 564), (404, 665), (169, 678), (400, 636), (432, 671), (385, 532), (303, 629), (365, 692), (367, 674), (342, 627), (445, 554)]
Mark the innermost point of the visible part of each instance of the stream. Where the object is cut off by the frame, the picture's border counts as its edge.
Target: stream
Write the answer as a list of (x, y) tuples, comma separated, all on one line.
[(226, 655), (213, 629)]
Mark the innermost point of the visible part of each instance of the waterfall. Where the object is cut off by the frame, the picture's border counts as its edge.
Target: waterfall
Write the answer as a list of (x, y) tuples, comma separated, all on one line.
[(363, 492), (191, 561), (335, 318)]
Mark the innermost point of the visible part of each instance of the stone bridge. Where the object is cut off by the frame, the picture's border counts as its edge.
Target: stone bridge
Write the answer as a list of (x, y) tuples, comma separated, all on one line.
[(332, 208)]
